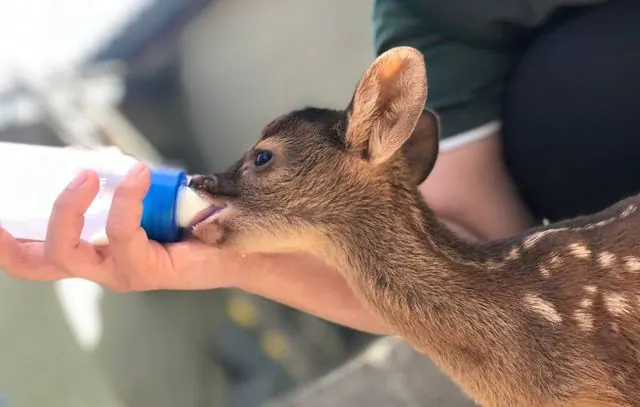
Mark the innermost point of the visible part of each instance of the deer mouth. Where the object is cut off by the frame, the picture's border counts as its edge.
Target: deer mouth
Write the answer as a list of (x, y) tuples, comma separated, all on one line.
[(207, 215)]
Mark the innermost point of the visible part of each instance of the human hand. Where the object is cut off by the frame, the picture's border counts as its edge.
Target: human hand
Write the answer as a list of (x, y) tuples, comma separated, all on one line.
[(130, 262)]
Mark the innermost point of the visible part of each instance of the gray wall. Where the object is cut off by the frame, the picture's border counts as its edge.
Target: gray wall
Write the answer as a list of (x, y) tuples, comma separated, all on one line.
[(247, 61)]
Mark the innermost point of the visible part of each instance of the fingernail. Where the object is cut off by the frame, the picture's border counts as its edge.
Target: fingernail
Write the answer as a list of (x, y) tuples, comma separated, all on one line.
[(138, 168), (79, 180)]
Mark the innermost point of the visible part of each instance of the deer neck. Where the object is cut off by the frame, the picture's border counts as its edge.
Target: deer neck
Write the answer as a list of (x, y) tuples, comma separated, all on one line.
[(431, 287), (469, 307)]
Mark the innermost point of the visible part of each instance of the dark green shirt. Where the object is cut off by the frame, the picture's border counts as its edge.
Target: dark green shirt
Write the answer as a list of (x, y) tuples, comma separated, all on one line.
[(469, 47)]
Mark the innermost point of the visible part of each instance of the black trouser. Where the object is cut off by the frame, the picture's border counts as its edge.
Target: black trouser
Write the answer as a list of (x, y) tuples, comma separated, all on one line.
[(572, 113)]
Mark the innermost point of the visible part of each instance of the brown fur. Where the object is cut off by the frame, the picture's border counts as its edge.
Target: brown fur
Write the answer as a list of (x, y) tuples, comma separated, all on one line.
[(548, 318)]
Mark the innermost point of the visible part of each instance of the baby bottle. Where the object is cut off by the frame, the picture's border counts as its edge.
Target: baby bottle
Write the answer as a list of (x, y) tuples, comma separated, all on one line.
[(32, 177)]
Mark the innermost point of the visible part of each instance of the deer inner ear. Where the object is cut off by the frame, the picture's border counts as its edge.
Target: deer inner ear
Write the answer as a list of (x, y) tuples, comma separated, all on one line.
[(387, 104)]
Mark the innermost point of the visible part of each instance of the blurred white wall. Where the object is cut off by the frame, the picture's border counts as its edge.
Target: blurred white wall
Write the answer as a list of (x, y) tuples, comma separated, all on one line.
[(247, 61), (41, 37)]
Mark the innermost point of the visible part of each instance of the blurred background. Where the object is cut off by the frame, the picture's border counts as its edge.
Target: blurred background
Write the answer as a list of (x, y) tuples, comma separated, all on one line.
[(185, 82), (188, 83)]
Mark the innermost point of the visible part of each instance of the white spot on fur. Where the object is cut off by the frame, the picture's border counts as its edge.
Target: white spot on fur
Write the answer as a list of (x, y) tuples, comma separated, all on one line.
[(628, 211), (597, 224), (545, 272), (556, 261), (584, 320), (531, 240), (606, 259), (514, 254), (580, 250), (542, 307), (591, 289), (534, 238), (615, 327), (586, 303), (632, 263), (616, 304), (490, 264)]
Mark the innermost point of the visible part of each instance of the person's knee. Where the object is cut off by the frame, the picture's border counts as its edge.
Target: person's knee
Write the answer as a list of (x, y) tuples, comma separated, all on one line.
[(568, 113)]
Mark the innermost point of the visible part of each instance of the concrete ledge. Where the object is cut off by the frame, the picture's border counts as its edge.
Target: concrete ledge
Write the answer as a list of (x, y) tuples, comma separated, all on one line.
[(387, 374)]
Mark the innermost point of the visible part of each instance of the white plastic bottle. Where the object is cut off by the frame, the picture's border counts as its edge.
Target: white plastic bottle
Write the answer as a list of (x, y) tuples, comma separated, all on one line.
[(32, 177)]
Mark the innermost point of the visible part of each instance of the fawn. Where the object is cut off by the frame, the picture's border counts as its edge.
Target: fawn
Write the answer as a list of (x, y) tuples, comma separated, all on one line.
[(548, 318)]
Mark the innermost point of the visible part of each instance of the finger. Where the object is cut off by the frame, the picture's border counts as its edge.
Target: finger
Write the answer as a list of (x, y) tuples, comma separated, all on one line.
[(26, 260), (63, 245), (127, 240)]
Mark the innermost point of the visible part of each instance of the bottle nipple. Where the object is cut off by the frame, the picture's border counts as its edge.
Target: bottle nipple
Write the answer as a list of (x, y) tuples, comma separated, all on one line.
[(189, 205)]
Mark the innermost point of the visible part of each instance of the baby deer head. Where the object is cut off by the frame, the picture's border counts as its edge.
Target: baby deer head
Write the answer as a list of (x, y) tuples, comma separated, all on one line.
[(316, 171)]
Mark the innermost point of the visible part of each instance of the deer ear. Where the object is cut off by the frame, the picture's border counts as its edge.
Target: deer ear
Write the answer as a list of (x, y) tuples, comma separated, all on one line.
[(387, 104), (421, 149)]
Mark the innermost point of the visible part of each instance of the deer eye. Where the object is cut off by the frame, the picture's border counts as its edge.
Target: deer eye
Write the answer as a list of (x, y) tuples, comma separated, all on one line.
[(262, 158)]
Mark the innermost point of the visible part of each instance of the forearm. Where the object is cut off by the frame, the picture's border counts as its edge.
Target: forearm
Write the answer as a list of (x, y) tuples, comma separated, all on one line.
[(307, 284), (471, 191)]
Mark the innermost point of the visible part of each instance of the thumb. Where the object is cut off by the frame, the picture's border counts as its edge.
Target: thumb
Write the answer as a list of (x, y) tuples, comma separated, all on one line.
[(126, 237)]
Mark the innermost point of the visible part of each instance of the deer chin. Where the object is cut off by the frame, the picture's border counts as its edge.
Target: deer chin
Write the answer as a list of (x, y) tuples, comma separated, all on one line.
[(211, 225)]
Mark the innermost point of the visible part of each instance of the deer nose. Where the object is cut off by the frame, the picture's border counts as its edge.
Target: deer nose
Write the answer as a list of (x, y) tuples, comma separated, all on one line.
[(205, 183)]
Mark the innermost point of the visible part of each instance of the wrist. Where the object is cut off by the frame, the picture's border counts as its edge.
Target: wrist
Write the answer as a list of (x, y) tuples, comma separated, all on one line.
[(235, 269), (252, 271), (197, 266), (248, 271)]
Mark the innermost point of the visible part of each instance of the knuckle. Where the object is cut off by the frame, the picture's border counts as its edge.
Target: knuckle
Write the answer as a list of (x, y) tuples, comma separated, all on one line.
[(129, 190), (117, 230), (116, 283), (53, 256), (136, 283), (62, 203), (122, 281), (124, 285), (58, 256), (120, 229), (118, 288), (124, 190)]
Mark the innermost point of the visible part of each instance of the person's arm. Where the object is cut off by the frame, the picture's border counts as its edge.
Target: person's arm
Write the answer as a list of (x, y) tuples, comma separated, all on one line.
[(305, 283), (468, 189), (133, 263)]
